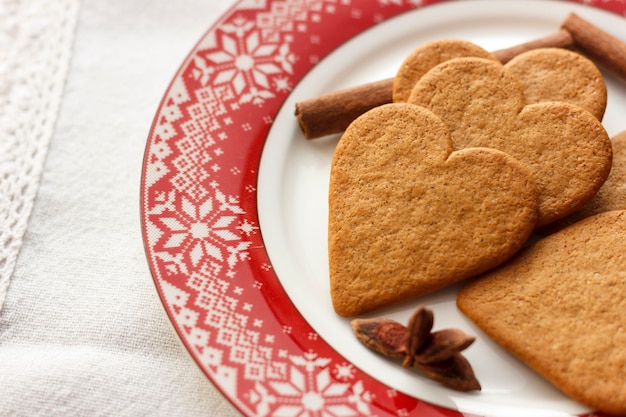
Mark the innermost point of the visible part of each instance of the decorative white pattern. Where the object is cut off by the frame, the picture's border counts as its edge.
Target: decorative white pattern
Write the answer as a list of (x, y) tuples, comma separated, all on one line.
[(29, 103), (200, 233)]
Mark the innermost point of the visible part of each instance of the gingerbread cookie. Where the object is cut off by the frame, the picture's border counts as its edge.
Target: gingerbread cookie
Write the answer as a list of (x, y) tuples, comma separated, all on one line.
[(556, 74), (482, 103), (546, 74), (612, 194), (559, 307), (427, 56), (409, 215)]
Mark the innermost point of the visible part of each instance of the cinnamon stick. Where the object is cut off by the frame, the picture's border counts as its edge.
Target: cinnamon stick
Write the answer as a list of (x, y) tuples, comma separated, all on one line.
[(560, 39), (603, 48), (331, 113)]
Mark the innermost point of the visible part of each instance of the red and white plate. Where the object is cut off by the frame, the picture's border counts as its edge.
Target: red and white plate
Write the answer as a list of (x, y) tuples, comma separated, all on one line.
[(234, 206)]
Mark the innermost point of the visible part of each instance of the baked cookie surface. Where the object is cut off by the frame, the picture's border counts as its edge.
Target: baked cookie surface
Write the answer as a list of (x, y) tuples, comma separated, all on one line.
[(482, 103), (545, 74), (427, 56), (408, 215), (556, 74), (612, 194), (559, 306)]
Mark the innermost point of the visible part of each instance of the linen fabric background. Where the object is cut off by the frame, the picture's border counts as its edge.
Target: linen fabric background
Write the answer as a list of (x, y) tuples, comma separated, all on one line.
[(82, 331)]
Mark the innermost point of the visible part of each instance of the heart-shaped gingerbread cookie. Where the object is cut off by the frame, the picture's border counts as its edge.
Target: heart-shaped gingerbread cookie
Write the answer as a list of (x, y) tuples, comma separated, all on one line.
[(408, 215), (559, 307), (545, 74), (482, 103)]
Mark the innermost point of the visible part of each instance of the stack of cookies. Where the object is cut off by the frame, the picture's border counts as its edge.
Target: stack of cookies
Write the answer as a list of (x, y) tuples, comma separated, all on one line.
[(449, 181)]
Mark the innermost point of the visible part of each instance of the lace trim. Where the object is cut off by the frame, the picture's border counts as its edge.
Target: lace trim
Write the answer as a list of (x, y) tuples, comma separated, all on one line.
[(35, 47)]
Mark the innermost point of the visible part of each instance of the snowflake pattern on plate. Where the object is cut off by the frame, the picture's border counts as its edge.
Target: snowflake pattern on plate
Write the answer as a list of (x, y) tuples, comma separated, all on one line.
[(199, 218)]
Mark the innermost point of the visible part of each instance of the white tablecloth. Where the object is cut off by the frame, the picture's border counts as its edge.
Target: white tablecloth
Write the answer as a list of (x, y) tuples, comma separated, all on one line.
[(82, 331)]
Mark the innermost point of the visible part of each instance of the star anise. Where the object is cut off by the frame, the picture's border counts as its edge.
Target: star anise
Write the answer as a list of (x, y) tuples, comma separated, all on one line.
[(437, 355)]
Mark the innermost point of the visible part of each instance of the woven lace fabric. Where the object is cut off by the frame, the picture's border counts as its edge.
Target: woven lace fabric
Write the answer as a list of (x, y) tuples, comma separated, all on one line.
[(35, 48)]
